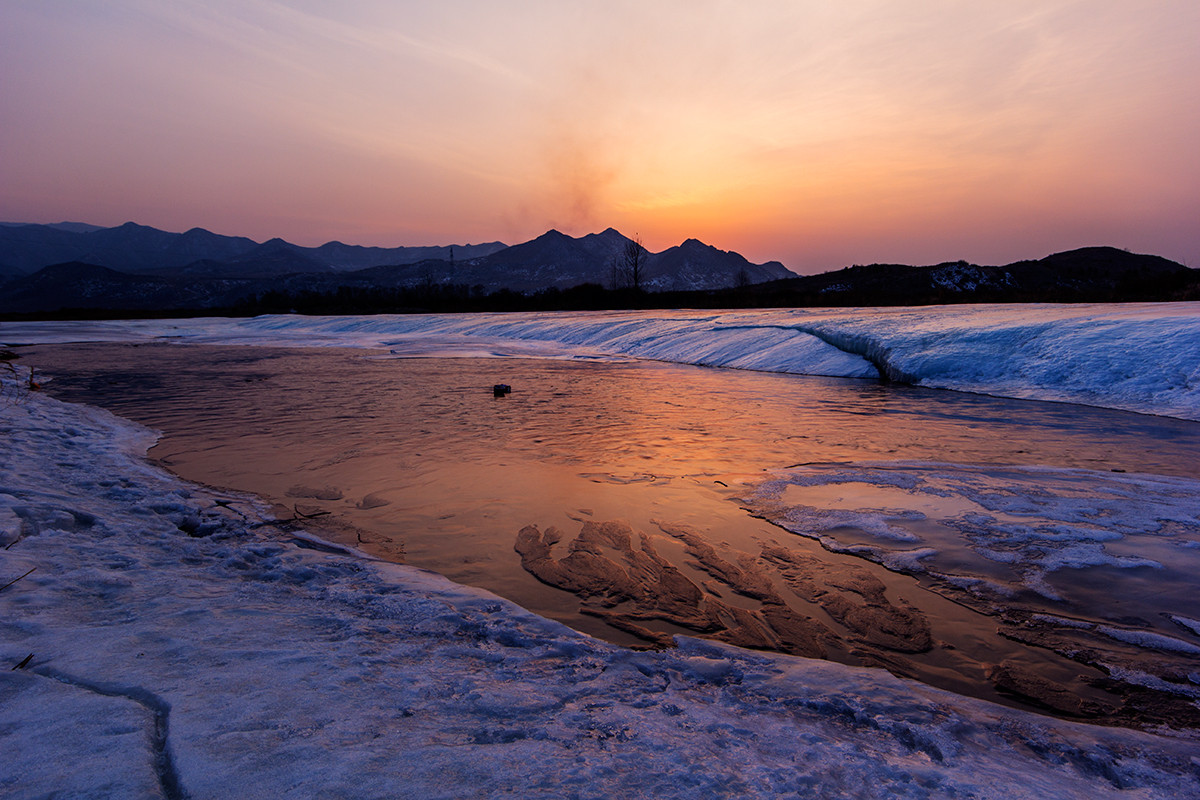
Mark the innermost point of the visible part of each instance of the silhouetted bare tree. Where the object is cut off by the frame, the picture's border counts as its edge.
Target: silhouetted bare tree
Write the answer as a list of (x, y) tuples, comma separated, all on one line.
[(632, 263)]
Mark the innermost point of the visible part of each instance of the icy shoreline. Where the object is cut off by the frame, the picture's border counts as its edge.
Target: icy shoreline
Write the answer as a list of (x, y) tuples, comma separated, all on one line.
[(1142, 357), (240, 660)]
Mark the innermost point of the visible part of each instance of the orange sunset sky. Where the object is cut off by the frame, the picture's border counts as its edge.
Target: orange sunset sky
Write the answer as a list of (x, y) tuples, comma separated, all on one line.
[(817, 133)]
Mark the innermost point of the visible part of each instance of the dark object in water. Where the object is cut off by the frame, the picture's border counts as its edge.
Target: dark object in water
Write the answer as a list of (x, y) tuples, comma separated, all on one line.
[(501, 389)]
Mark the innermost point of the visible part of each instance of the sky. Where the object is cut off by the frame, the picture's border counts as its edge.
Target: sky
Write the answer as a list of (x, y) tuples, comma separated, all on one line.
[(817, 133)]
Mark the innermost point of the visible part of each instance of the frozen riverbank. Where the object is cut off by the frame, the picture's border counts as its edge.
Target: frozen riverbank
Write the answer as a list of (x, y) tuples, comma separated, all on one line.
[(1135, 357), (179, 649)]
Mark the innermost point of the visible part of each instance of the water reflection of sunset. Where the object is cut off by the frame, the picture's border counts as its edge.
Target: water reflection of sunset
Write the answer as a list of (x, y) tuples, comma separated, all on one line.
[(639, 500)]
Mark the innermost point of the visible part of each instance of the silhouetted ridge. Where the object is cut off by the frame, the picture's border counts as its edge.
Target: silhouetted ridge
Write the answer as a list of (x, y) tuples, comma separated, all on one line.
[(1089, 274), (133, 267)]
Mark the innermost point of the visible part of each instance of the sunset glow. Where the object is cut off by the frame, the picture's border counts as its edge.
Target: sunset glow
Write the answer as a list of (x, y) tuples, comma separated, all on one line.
[(814, 133)]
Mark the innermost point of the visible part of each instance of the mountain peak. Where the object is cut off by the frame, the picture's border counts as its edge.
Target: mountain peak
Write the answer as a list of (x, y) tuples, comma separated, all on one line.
[(276, 244), (606, 237)]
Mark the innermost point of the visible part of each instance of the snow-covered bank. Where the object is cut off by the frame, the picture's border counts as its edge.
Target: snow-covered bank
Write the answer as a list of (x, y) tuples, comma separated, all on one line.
[(238, 660), (1135, 357)]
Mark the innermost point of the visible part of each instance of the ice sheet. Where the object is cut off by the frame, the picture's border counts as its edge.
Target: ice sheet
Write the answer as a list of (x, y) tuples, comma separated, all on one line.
[(1097, 566), (1019, 528), (1136, 357)]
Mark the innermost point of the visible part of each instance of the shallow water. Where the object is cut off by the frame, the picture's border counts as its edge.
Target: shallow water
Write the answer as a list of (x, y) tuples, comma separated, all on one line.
[(415, 460)]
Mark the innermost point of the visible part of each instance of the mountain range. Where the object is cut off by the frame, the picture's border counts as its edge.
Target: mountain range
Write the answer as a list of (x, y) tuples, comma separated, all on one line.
[(140, 249), (72, 265), (139, 269)]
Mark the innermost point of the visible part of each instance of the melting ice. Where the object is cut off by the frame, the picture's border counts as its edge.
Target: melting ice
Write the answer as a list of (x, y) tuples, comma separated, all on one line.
[(259, 661)]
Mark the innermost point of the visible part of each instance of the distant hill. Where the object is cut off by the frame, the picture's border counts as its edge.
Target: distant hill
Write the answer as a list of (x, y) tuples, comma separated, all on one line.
[(90, 286), (347, 257), (126, 248), (556, 260), (553, 259), (24, 249), (1089, 274), (72, 227), (695, 264), (135, 268), (28, 248), (7, 273)]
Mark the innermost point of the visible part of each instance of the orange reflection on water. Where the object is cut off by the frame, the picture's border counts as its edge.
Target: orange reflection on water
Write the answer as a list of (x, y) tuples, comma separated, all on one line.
[(416, 460)]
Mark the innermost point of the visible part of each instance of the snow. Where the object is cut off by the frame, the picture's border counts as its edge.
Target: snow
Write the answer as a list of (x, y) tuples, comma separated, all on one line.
[(1136, 357), (249, 660), (1011, 526), (1151, 640), (1140, 638)]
